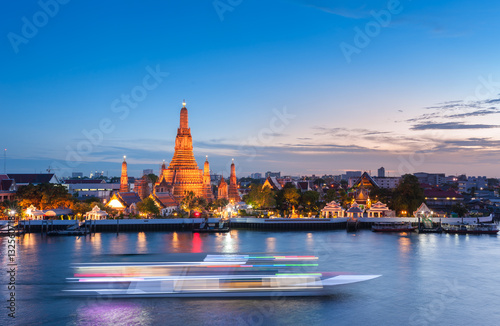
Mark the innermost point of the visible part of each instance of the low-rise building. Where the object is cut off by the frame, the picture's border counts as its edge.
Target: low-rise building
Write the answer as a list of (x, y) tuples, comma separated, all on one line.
[(387, 182), (332, 210), (166, 202), (438, 199), (478, 183), (24, 179), (87, 188), (7, 188), (124, 202)]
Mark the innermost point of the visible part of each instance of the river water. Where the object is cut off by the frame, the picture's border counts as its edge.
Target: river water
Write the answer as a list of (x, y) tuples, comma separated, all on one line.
[(427, 279)]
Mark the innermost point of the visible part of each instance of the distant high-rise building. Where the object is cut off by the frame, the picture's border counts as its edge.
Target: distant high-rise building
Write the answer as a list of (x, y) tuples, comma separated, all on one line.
[(147, 171), (256, 175), (351, 175), (381, 172), (273, 174), (434, 179), (77, 175)]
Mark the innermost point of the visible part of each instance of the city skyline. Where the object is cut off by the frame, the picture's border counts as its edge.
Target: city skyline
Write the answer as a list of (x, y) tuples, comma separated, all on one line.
[(302, 87)]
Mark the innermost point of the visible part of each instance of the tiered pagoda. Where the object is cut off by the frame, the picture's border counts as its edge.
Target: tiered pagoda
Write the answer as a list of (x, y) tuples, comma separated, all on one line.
[(183, 174), (124, 187), (233, 194)]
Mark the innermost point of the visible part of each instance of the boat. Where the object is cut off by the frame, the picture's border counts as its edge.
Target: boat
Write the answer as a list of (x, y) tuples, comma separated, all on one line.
[(437, 229), (66, 232), (8, 231), (474, 228), (206, 227), (72, 230), (215, 276), (393, 227), (427, 226)]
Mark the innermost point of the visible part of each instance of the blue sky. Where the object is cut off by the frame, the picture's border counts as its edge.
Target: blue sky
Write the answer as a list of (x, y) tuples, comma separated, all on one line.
[(268, 83)]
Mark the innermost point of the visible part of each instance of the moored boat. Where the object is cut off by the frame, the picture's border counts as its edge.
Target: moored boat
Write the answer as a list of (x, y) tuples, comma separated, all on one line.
[(67, 232), (206, 227), (393, 227), (475, 228), (8, 231)]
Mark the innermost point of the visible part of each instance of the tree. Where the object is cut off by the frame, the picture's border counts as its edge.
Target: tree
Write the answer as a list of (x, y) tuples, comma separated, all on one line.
[(383, 195), (44, 196), (80, 208), (291, 196), (460, 209), (408, 196), (218, 203), (319, 182), (191, 202), (309, 199), (153, 178), (7, 206), (260, 197), (331, 195), (148, 206)]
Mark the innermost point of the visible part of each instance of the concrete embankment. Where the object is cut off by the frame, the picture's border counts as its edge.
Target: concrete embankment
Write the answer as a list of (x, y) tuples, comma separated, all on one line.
[(250, 223)]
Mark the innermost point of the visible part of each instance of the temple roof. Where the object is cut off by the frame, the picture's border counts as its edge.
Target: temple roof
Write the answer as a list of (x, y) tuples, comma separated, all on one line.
[(365, 180), (355, 209), (164, 199), (332, 206), (378, 206), (273, 183), (33, 178), (81, 181), (128, 198)]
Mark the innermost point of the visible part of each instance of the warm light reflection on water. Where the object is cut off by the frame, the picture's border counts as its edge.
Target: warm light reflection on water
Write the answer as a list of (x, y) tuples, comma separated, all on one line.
[(196, 243), (30, 241), (227, 243), (78, 244), (310, 241), (404, 243), (271, 244), (96, 241), (142, 243)]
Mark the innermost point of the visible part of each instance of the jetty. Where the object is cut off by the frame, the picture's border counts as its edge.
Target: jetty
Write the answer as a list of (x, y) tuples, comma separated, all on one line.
[(243, 223)]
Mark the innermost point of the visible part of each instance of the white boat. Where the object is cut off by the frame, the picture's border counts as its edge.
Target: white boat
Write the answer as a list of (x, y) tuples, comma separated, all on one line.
[(474, 228), (7, 230), (216, 276)]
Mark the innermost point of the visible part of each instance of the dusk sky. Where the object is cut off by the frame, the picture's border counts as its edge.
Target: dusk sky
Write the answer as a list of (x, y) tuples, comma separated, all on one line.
[(302, 87)]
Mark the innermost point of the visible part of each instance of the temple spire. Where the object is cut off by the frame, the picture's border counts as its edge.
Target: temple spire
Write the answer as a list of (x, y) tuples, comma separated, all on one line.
[(184, 117), (124, 177)]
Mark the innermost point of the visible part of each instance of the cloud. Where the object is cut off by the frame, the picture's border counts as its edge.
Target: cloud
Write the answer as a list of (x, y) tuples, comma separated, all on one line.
[(478, 113), (354, 9), (457, 110), (451, 125)]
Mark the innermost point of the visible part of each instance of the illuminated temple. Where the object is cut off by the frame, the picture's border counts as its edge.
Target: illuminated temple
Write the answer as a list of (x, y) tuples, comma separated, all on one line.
[(183, 174)]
